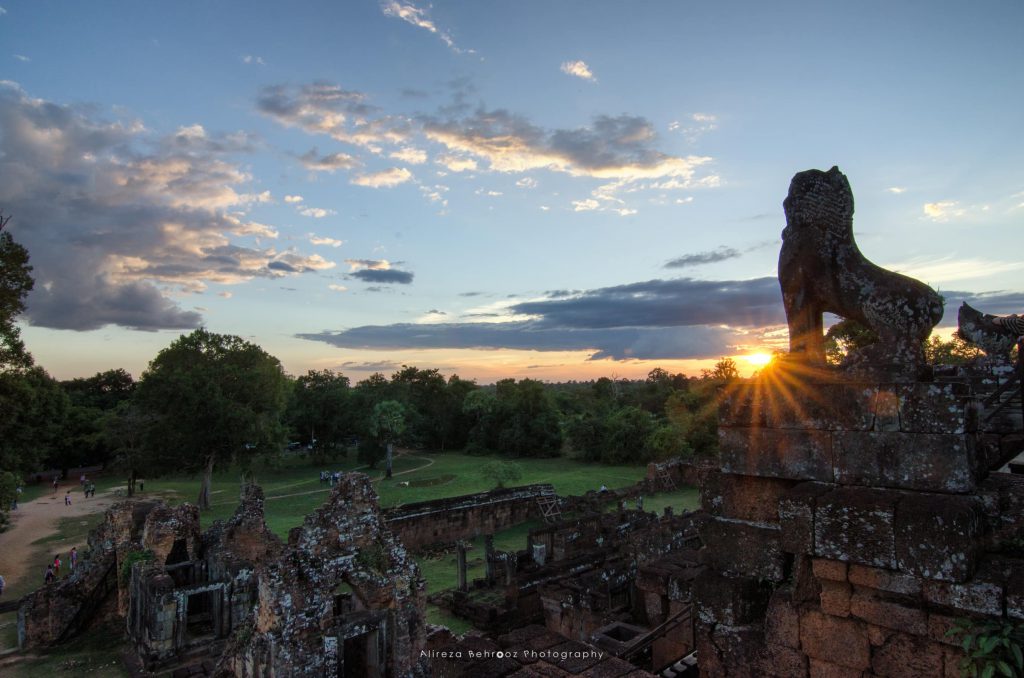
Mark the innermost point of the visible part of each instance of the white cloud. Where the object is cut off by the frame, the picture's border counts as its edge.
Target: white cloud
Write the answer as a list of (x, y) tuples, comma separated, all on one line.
[(261, 197), (316, 240), (337, 288), (896, 189), (947, 269), (21, 57), (587, 205), (700, 124), (226, 295), (384, 179), (942, 211), (252, 59), (457, 164), (545, 208), (527, 182), (413, 156), (624, 211), (578, 69), (2, 11), (315, 212), (293, 198), (493, 194), (419, 17), (315, 162)]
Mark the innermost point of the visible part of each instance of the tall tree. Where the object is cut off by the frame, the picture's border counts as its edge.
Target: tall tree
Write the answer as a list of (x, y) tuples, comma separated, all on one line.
[(15, 284), (212, 399), (320, 410), (386, 424), (33, 409)]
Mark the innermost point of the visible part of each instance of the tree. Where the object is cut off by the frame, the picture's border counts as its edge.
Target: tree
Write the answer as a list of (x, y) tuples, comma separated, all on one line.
[(500, 472), (15, 284), (33, 411), (386, 424), (845, 337), (319, 409), (212, 399), (123, 429), (956, 351), (725, 370)]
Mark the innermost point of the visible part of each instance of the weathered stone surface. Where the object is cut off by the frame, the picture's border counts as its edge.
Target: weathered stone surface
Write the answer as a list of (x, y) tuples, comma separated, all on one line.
[(980, 329), (776, 453), (732, 601), (933, 407), (856, 525), (884, 580), (907, 656), (823, 669), (889, 614), (834, 570), (936, 535), (916, 461), (821, 268), (743, 549), (743, 497), (796, 516), (796, 401), (839, 641), (782, 621), (835, 598), (982, 597)]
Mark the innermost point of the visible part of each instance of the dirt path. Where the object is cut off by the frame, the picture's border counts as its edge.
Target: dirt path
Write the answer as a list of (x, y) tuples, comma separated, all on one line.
[(35, 520)]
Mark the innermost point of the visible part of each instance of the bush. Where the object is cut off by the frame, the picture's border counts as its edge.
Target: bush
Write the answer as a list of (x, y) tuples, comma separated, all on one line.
[(501, 472)]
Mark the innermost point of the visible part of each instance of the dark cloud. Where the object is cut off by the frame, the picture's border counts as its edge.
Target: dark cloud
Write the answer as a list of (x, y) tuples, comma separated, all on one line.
[(720, 254), (369, 366), (656, 319), (436, 312), (281, 266), (312, 160), (115, 218), (386, 276), (996, 303), (470, 294)]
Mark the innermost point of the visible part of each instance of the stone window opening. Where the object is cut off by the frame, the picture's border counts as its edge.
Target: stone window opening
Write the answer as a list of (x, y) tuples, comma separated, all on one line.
[(199, 624)]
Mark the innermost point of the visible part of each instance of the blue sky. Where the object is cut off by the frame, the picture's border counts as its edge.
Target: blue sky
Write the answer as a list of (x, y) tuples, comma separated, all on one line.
[(554, 190)]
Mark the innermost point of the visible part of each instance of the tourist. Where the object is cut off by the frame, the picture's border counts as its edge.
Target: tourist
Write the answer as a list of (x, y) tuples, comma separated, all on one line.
[(67, 498), (55, 486), (81, 480), (74, 557), (50, 576), (56, 565)]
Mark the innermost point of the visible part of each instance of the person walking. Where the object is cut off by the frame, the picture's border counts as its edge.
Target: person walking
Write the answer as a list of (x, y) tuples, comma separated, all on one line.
[(56, 565), (55, 486), (67, 498), (49, 576), (74, 557)]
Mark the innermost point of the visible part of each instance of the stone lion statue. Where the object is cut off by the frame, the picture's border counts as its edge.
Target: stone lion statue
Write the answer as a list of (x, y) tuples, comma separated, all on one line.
[(981, 330), (822, 270)]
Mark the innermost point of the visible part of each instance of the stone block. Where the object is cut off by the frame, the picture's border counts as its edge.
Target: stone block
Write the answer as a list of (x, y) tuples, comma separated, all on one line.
[(782, 621), (796, 516), (914, 461), (884, 580), (743, 549), (776, 453), (823, 669), (840, 641), (732, 601), (781, 661), (743, 497), (933, 407), (951, 658), (906, 656), (835, 598), (889, 614), (856, 525), (833, 570), (938, 626), (936, 535), (982, 597)]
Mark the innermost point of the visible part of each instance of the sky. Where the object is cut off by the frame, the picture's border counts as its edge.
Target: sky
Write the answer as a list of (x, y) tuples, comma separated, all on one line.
[(553, 190)]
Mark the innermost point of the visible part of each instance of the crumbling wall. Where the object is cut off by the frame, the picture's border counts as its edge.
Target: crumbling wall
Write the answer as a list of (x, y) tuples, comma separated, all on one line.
[(851, 525), (343, 582), (443, 521)]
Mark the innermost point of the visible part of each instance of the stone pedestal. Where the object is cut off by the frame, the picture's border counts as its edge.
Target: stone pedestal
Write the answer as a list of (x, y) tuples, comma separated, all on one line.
[(850, 524)]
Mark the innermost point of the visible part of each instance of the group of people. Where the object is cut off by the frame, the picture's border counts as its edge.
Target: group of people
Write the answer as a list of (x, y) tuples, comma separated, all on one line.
[(330, 478), (53, 569)]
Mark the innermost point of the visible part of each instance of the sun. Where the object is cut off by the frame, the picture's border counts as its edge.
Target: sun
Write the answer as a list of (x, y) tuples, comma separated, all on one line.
[(759, 359)]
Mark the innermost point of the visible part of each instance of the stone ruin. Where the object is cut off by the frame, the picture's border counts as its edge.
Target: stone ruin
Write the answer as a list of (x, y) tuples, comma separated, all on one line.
[(853, 520)]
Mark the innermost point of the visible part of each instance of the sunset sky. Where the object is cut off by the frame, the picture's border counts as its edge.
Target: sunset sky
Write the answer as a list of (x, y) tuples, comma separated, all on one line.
[(507, 188)]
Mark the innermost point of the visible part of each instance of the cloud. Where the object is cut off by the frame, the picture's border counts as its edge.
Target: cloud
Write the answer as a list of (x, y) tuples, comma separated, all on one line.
[(374, 366), (21, 57), (326, 108), (527, 182), (947, 269), (226, 295), (456, 164), (325, 241), (312, 161), (377, 271), (315, 212), (384, 179), (942, 211), (413, 156), (419, 17), (250, 59), (337, 288), (700, 258), (655, 319), (116, 219), (292, 199), (699, 125), (619, 148), (587, 205), (578, 69), (896, 190)]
